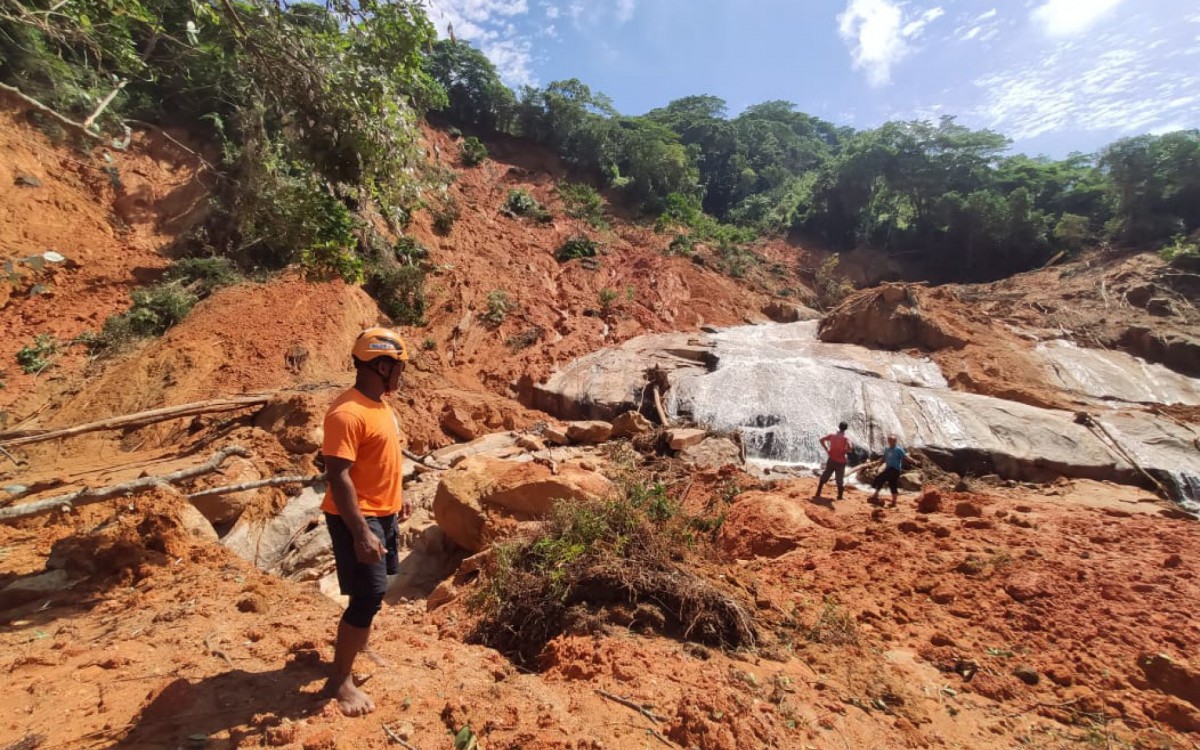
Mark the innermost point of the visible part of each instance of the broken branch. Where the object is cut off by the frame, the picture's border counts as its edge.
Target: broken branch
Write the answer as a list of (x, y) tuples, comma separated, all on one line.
[(257, 484), (658, 408), (88, 495), (630, 704)]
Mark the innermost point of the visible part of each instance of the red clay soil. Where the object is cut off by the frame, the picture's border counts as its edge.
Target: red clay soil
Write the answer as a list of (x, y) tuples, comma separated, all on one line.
[(111, 226), (890, 629)]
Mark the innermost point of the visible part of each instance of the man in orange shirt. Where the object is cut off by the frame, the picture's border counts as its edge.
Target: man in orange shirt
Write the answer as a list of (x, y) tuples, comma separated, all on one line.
[(362, 467), (837, 446)]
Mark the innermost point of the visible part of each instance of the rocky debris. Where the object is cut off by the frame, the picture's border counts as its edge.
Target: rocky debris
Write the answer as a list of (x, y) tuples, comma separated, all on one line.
[(264, 541), (495, 443), (604, 384), (296, 421), (1174, 713), (530, 443), (444, 593), (845, 542), (556, 435), (968, 509), (223, 510), (195, 523), (592, 432), (630, 424), (896, 316), (31, 588), (930, 501), (685, 437), (912, 481), (787, 312), (1176, 350), (481, 494), (1160, 307), (1177, 678), (1024, 587), (459, 423), (27, 181), (1173, 561), (713, 453), (1140, 295), (762, 524), (1027, 675)]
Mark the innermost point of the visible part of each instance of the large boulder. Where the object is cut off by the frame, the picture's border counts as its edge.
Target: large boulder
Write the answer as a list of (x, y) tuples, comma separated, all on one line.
[(589, 433), (685, 437), (713, 453), (482, 493), (630, 424), (765, 524)]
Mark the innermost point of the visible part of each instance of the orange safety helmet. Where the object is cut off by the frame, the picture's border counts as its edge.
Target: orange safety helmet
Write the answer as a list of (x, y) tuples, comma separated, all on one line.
[(374, 343)]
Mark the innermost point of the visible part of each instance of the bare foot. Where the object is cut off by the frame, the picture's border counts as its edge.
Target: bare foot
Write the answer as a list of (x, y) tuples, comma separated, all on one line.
[(351, 700), (375, 657)]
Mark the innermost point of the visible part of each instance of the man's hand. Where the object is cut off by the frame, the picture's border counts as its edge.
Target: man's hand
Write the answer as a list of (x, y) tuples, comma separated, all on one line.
[(367, 548), (406, 510)]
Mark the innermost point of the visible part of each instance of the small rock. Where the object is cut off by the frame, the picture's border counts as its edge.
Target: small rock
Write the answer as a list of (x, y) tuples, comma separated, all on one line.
[(844, 542), (910, 527), (942, 595), (530, 443), (681, 438), (443, 594), (1160, 307), (967, 509), (1140, 296), (1174, 561), (630, 424), (27, 180), (930, 501), (1027, 675), (912, 481), (979, 523), (556, 435), (589, 433), (941, 639), (1024, 587)]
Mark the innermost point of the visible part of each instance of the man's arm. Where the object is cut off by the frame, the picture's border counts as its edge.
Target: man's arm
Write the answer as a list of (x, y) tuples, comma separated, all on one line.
[(824, 443), (367, 547)]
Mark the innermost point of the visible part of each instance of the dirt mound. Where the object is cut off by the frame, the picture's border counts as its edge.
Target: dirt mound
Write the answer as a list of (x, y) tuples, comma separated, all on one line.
[(974, 353), (107, 212)]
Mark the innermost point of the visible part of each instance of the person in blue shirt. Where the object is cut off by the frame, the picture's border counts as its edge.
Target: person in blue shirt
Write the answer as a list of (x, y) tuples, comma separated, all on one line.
[(893, 464)]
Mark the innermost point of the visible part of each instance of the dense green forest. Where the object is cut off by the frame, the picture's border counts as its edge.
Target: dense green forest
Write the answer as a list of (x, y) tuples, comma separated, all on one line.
[(315, 107)]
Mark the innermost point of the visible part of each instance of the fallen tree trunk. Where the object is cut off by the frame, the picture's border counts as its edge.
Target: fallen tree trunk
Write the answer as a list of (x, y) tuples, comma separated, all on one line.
[(140, 419), (229, 489), (658, 408), (89, 495)]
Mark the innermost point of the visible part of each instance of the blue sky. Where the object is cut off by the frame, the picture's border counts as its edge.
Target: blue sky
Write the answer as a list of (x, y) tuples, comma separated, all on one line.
[(1055, 75)]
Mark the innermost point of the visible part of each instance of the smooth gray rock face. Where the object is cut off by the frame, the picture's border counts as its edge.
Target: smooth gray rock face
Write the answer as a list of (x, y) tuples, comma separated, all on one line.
[(783, 389)]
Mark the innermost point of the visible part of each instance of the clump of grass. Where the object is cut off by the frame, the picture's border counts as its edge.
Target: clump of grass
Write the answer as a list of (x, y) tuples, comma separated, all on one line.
[(38, 355), (498, 306), (834, 626), (524, 339), (583, 202), (520, 203), (577, 246)]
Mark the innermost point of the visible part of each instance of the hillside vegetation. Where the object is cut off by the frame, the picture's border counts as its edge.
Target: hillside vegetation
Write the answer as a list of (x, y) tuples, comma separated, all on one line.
[(313, 111)]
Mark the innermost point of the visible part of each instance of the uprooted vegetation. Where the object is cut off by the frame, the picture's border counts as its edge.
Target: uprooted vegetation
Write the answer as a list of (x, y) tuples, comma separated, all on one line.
[(630, 560)]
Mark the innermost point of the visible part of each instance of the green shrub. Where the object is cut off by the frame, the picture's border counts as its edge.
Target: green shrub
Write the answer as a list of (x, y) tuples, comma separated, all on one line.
[(1179, 247), (202, 276), (472, 151), (408, 251), (497, 307), (400, 293), (832, 287), (39, 355), (429, 344), (582, 201), (520, 203), (607, 298), (1073, 232), (577, 246), (155, 309), (327, 261), (445, 216), (681, 245), (524, 339)]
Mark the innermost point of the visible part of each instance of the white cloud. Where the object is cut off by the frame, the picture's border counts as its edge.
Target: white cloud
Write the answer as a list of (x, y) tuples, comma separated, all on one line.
[(877, 33), (625, 10), (489, 25), (1110, 84), (1063, 18)]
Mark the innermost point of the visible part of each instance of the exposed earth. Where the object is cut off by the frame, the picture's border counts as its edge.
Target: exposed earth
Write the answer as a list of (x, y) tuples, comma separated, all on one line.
[(981, 612)]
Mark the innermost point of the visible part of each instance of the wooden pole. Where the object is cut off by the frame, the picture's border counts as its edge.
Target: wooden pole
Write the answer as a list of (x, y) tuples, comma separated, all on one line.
[(88, 495), (91, 119), (140, 419), (257, 484), (658, 407)]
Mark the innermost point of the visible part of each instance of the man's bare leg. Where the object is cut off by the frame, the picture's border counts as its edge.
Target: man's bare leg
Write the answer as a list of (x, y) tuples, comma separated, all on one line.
[(352, 700)]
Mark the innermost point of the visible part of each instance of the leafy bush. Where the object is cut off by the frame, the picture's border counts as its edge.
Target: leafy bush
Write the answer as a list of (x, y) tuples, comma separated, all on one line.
[(594, 559), (400, 293), (497, 307), (524, 339), (583, 202), (1179, 247), (472, 151), (445, 216), (155, 309), (832, 287), (607, 298), (520, 203), (327, 261), (681, 245), (1073, 232), (39, 355), (577, 246), (202, 276), (408, 251)]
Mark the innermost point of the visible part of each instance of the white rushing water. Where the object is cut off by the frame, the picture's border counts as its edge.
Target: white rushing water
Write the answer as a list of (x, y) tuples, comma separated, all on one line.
[(783, 389)]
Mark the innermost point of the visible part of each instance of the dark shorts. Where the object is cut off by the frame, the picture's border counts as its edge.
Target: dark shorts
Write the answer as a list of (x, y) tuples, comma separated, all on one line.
[(354, 578), (889, 476)]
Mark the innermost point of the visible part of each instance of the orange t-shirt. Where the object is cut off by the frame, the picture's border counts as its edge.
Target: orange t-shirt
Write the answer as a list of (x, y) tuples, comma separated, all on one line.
[(367, 433)]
